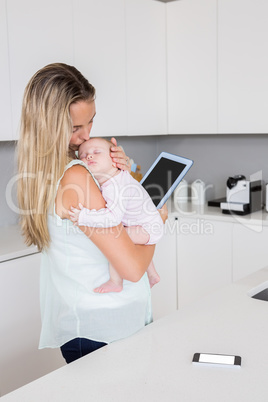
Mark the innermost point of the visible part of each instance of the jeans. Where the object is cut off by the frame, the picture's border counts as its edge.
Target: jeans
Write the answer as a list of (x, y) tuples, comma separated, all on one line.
[(79, 347)]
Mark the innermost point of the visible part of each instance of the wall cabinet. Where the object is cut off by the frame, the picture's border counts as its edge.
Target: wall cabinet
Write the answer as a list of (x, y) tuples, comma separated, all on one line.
[(185, 67), (20, 360), (39, 33), (192, 67), (217, 67), (119, 46), (146, 67), (5, 100), (122, 52), (100, 54), (243, 65)]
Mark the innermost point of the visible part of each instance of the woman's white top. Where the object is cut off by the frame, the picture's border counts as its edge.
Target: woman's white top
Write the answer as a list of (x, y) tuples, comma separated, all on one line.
[(70, 269)]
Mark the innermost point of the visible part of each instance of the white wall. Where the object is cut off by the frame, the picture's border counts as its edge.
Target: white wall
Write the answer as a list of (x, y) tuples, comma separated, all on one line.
[(217, 157)]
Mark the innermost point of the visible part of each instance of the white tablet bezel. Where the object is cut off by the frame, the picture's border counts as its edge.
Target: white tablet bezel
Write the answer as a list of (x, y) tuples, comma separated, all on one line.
[(180, 159)]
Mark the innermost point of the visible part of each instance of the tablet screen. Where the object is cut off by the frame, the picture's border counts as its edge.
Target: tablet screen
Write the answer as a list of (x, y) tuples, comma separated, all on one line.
[(163, 179)]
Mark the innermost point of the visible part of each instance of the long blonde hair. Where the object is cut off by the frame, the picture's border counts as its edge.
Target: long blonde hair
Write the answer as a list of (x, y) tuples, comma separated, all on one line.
[(43, 147)]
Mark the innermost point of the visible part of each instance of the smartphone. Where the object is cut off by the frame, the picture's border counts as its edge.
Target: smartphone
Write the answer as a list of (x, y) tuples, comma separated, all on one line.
[(217, 359)]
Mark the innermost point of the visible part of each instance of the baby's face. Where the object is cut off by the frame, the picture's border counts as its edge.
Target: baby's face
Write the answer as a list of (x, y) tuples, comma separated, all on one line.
[(96, 154)]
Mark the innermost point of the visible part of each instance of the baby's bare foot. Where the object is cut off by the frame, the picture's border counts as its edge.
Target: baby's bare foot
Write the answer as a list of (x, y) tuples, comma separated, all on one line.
[(153, 279), (109, 287)]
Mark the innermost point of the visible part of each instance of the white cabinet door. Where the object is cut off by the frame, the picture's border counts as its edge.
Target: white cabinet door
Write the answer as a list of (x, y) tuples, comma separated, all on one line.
[(192, 66), (5, 103), (249, 249), (243, 66), (100, 54), (146, 67), (39, 33), (164, 293), (204, 258), (20, 360)]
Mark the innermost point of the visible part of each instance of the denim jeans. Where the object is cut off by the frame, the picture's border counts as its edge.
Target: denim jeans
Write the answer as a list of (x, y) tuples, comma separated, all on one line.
[(79, 347)]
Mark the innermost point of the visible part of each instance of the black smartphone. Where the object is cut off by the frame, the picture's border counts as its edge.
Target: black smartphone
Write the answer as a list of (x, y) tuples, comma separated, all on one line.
[(218, 359)]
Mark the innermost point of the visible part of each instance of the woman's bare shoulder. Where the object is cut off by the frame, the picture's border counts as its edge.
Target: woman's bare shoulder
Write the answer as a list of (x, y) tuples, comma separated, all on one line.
[(74, 173), (77, 186)]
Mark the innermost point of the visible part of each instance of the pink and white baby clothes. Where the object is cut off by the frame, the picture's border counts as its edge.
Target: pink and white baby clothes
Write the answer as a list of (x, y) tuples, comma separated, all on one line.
[(128, 202)]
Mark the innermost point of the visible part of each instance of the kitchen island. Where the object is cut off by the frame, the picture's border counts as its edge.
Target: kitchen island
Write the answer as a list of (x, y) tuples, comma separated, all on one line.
[(156, 363)]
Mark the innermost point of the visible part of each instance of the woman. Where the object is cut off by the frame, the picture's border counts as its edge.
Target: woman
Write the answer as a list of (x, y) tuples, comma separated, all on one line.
[(57, 116)]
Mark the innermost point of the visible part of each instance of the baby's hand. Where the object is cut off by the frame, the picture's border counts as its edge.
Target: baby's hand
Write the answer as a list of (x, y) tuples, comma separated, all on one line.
[(163, 213), (74, 214)]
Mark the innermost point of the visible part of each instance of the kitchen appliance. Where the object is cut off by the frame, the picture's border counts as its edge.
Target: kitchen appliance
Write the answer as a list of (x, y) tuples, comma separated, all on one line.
[(242, 196), (181, 193), (198, 189)]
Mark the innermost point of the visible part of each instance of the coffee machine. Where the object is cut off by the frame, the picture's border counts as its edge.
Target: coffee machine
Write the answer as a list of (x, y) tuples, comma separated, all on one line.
[(242, 196)]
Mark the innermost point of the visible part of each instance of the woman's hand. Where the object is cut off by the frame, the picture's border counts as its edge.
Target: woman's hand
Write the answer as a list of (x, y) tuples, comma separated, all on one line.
[(163, 213), (119, 157)]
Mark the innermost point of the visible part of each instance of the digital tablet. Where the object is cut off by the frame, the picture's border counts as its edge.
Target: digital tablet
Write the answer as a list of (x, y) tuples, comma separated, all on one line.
[(164, 175)]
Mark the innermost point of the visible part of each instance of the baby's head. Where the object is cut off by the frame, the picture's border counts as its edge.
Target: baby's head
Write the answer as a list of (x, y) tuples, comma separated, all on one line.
[(95, 153)]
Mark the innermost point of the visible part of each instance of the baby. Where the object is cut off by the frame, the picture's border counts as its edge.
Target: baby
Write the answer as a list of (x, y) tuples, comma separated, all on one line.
[(126, 201)]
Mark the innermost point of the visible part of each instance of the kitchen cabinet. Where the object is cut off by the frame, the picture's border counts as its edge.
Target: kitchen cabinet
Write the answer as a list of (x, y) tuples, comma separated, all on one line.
[(5, 101), (243, 66), (20, 359), (100, 54), (249, 249), (146, 67), (204, 257), (184, 67), (207, 250), (120, 46), (122, 53), (164, 293), (39, 33), (193, 259), (192, 67)]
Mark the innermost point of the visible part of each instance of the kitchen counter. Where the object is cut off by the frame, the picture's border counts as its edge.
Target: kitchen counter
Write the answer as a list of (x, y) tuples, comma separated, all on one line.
[(12, 244), (156, 363), (189, 210)]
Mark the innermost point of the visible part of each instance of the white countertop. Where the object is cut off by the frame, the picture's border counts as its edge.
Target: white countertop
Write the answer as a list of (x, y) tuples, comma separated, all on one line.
[(155, 364), (189, 210), (12, 244)]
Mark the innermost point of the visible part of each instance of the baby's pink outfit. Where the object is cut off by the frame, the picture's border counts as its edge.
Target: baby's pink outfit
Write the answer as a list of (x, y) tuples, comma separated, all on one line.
[(128, 202)]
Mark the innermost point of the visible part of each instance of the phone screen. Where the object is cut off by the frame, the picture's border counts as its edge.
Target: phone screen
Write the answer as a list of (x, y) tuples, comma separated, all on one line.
[(217, 359), (210, 358)]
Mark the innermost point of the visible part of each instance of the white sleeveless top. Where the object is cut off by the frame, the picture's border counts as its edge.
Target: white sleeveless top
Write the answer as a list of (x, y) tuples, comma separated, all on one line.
[(70, 269)]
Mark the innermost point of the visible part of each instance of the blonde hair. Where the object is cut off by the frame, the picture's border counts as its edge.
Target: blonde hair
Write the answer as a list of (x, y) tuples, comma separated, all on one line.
[(43, 147)]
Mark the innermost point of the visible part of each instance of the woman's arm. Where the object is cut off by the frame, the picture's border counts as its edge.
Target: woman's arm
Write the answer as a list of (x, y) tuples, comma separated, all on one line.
[(130, 260)]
